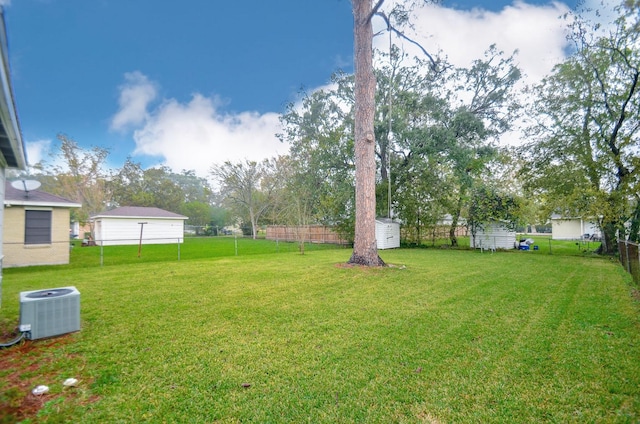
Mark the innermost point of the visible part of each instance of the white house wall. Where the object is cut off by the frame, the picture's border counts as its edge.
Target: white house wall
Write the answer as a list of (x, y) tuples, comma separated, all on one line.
[(566, 229), (121, 231), (2, 189), (2, 185), (573, 228), (591, 228)]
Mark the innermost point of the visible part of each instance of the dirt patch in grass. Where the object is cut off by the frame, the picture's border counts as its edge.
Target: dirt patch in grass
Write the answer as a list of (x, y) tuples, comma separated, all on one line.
[(348, 265), (635, 293), (23, 367)]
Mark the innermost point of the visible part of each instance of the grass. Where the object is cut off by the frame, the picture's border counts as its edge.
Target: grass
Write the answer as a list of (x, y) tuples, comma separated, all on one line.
[(442, 336), (546, 245), (192, 248), (543, 244)]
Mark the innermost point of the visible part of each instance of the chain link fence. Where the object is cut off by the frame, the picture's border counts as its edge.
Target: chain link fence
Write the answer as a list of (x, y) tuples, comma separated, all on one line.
[(123, 251), (630, 258)]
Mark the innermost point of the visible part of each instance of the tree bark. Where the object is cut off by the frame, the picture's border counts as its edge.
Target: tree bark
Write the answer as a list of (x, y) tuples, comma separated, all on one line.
[(365, 250), (455, 217), (254, 223)]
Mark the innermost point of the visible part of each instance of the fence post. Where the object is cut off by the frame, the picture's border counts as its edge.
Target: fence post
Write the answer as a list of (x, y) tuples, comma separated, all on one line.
[(236, 243), (622, 259), (102, 254), (178, 250), (636, 277), (626, 246)]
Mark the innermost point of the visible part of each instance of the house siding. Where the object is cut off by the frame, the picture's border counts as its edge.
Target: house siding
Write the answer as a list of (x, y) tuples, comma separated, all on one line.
[(387, 234), (566, 229), (493, 235), (124, 231), (2, 195), (3, 179), (572, 228), (17, 253)]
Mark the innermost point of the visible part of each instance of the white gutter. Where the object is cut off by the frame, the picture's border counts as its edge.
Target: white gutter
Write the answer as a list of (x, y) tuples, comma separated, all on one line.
[(8, 114)]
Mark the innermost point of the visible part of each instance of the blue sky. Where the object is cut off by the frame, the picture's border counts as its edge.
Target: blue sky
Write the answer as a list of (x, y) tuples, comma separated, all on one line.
[(193, 83)]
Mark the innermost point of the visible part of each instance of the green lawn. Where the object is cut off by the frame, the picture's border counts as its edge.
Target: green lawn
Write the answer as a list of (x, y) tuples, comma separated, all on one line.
[(192, 248), (442, 336), (543, 244)]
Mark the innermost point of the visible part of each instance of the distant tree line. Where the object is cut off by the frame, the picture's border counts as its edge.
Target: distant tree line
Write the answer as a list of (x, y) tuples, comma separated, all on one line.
[(84, 175)]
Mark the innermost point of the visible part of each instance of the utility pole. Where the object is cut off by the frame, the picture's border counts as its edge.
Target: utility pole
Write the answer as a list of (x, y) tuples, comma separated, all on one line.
[(140, 243)]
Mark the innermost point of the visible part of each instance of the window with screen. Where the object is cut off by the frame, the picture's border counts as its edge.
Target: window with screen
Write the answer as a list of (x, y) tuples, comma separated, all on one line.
[(37, 227)]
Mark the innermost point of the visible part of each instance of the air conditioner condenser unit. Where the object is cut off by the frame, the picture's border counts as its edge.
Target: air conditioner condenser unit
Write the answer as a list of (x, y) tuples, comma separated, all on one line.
[(51, 312)]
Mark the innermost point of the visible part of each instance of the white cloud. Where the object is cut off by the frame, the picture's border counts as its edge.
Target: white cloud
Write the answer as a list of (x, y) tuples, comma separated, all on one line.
[(135, 95), (196, 135), (193, 135), (463, 35), (538, 33), (37, 150)]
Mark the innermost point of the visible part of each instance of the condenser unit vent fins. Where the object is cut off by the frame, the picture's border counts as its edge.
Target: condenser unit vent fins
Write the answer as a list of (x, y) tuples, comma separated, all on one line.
[(51, 312)]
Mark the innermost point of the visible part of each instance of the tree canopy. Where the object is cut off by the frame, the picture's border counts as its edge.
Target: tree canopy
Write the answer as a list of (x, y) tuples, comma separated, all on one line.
[(583, 156)]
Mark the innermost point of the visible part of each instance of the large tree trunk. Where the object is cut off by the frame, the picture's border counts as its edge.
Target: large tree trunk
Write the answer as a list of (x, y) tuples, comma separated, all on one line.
[(455, 217), (254, 223), (365, 250), (609, 244)]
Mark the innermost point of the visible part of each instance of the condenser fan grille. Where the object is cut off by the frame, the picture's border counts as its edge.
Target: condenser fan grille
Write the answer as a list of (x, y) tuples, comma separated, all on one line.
[(50, 312)]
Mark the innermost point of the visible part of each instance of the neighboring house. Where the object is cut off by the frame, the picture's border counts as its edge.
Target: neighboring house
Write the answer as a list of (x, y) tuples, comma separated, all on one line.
[(443, 227), (135, 224), (387, 233), (447, 220), (493, 235), (79, 231), (12, 152), (572, 228), (36, 228)]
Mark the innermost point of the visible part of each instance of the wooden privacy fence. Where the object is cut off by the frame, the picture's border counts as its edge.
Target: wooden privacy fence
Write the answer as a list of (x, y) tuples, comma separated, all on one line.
[(307, 233), (630, 258)]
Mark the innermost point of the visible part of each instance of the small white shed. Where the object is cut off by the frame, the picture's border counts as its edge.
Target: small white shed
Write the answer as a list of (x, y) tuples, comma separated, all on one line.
[(131, 224), (387, 233), (493, 235)]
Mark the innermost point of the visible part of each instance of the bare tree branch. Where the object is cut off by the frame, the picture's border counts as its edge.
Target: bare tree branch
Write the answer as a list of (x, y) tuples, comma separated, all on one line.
[(400, 34), (375, 9)]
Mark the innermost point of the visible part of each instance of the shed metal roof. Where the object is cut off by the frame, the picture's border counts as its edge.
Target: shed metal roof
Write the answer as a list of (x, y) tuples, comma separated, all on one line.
[(138, 212)]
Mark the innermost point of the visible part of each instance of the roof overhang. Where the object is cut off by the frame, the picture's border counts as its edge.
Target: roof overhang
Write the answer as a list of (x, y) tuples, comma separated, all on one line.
[(9, 203), (11, 143), (139, 217)]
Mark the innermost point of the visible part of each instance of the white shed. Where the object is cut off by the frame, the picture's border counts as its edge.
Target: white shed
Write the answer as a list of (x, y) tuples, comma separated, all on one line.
[(493, 235), (387, 233), (130, 224)]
